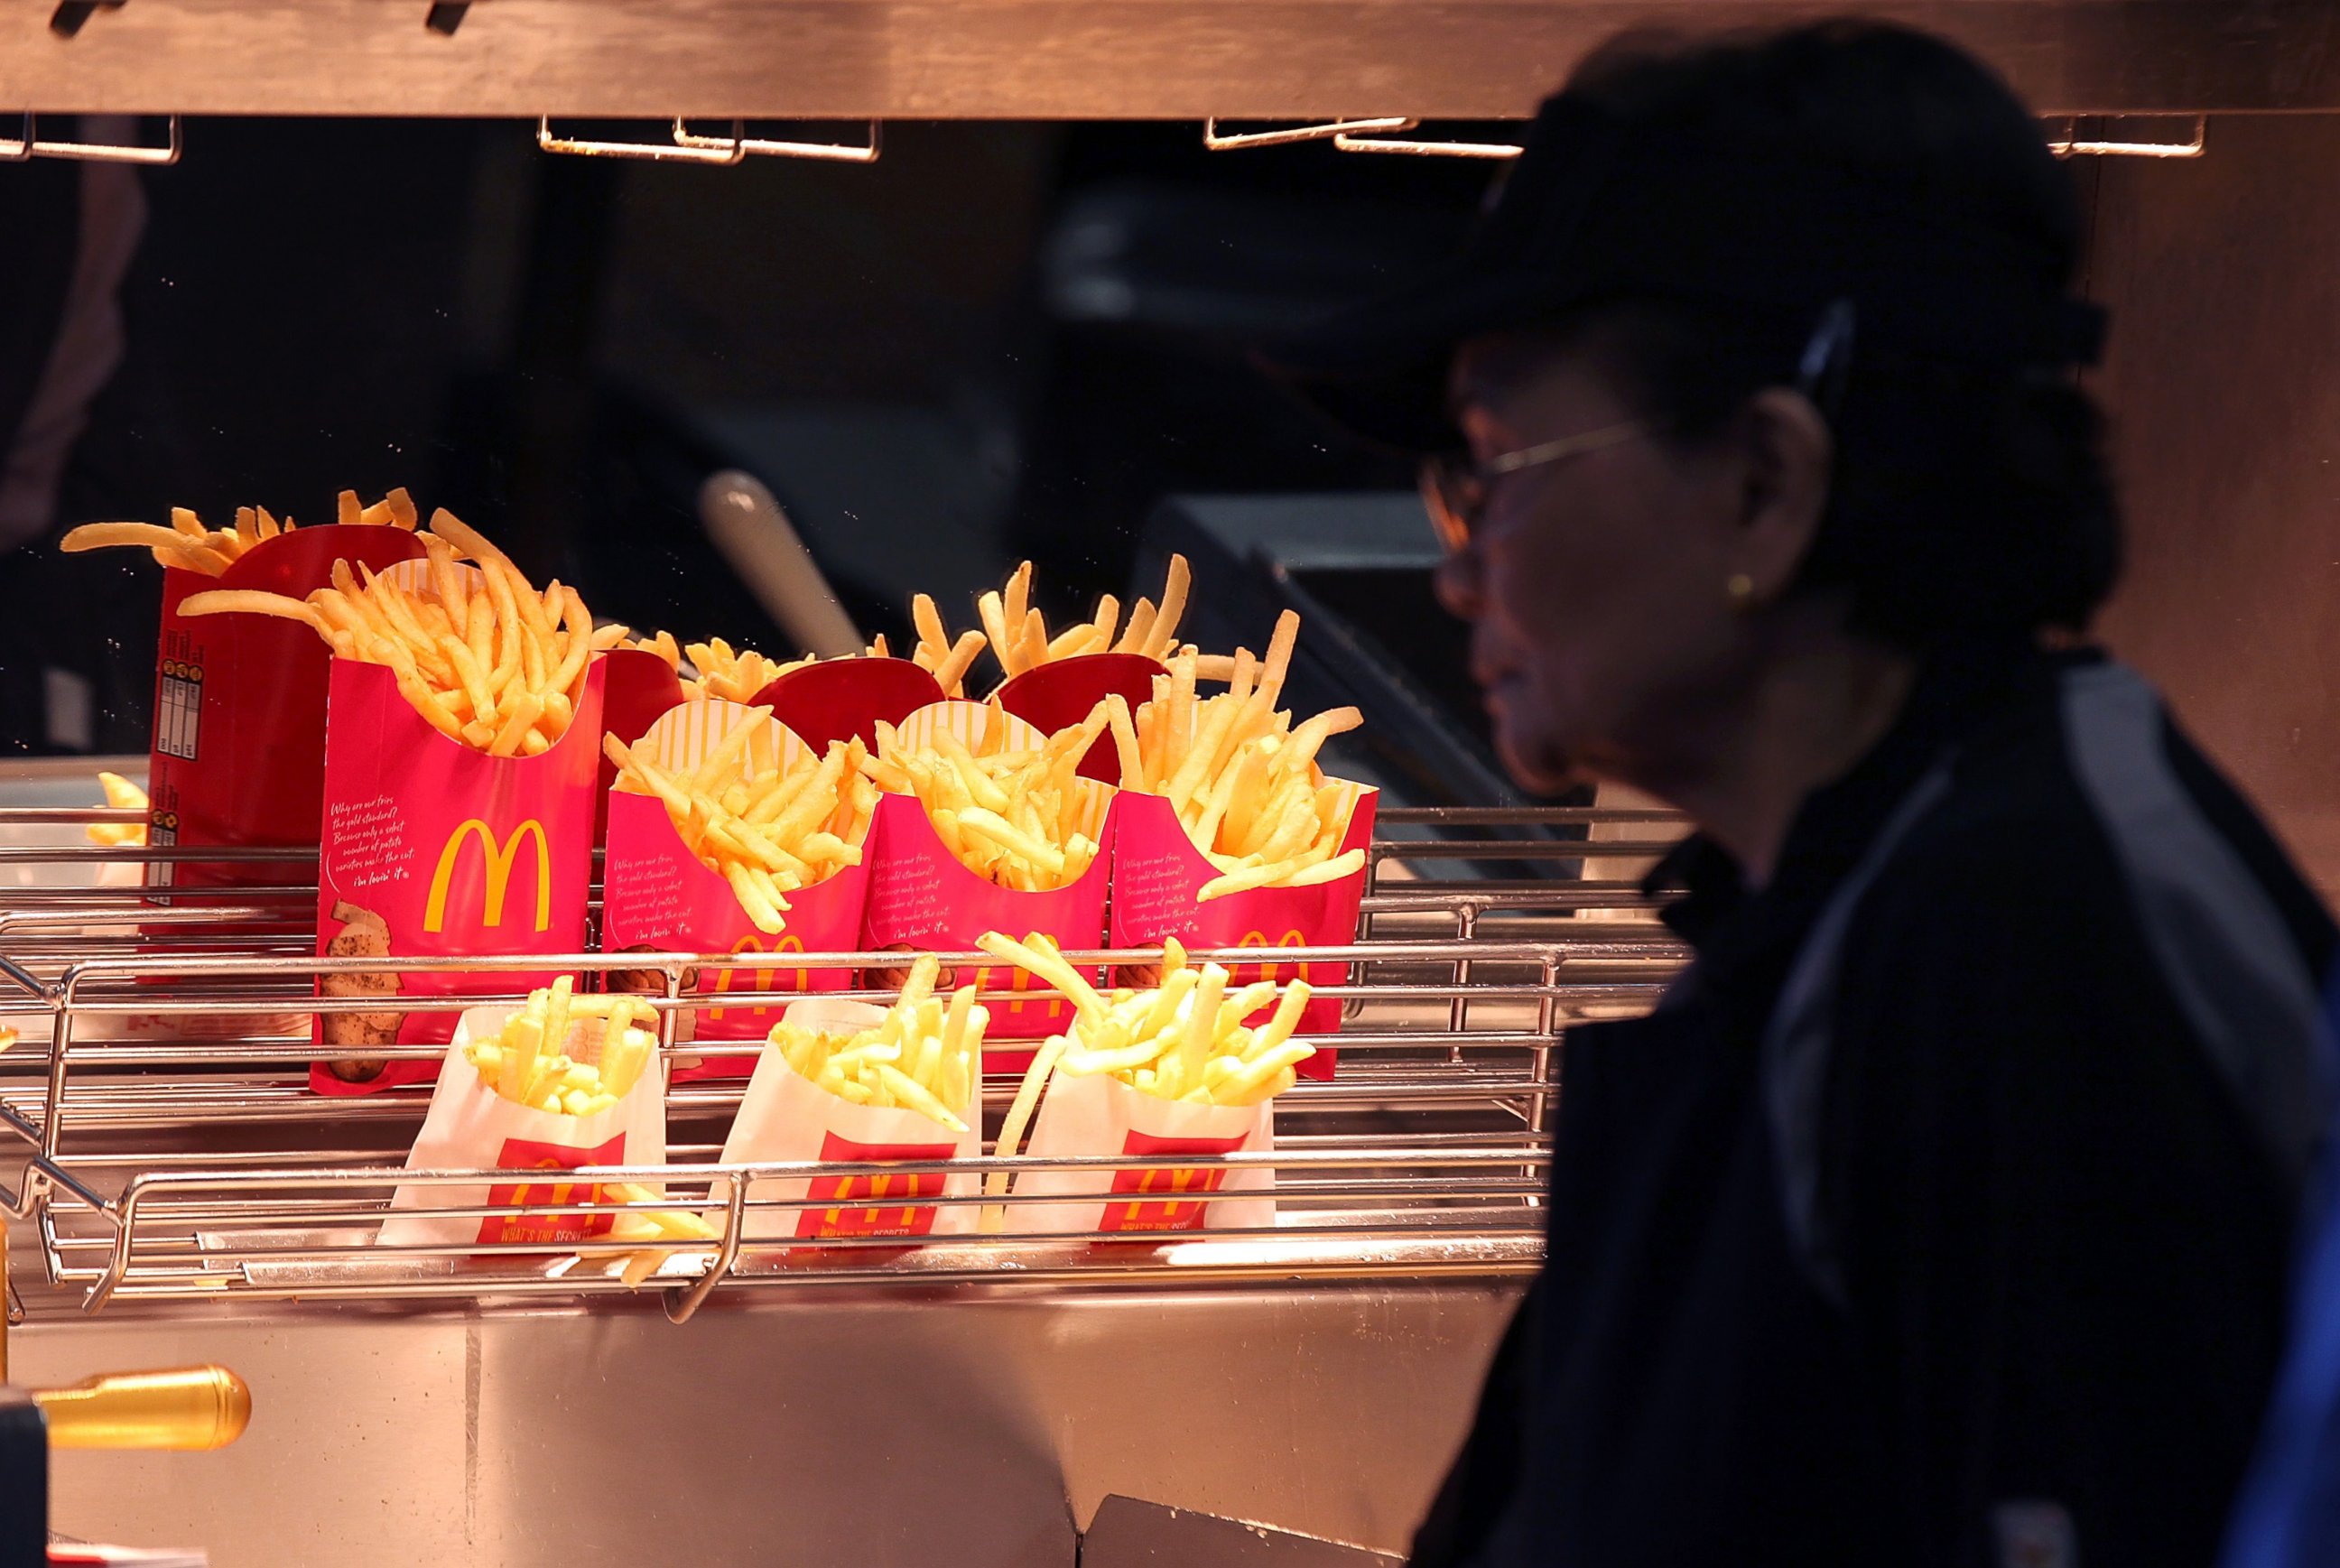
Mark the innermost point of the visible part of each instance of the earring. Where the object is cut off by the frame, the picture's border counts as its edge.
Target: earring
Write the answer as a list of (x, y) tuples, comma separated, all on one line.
[(1741, 589)]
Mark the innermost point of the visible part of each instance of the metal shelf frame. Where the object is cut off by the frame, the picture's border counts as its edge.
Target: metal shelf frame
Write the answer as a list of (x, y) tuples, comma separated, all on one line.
[(174, 1153)]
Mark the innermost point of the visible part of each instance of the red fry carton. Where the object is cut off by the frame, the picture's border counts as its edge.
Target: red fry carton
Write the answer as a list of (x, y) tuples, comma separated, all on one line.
[(838, 698), (922, 897), (1057, 696), (641, 689), (1097, 1114), (470, 1126), (239, 748), (784, 1116), (659, 896), (435, 850), (1158, 875)]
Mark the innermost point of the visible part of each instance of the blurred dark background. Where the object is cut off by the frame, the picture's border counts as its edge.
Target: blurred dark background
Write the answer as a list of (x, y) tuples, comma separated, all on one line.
[(1000, 340)]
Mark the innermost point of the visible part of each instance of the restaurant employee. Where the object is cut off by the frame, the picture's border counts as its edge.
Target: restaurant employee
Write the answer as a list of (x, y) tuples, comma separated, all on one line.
[(1939, 1215)]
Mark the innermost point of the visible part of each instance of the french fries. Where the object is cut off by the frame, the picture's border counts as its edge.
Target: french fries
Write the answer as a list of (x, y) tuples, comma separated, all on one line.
[(733, 675), (922, 1057), (663, 646), (739, 675), (1021, 640), (123, 796), (487, 658), (1011, 814), (187, 543), (946, 658), (1181, 1040), (1241, 778), (766, 834), (658, 1227), (526, 1063)]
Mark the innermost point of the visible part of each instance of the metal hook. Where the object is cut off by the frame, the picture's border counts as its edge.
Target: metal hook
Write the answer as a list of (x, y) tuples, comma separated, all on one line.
[(701, 151), (30, 145), (2070, 145), (825, 152), (1418, 149), (1285, 137)]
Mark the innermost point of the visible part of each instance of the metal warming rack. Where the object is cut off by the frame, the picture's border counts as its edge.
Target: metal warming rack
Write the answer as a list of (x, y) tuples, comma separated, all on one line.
[(175, 1154)]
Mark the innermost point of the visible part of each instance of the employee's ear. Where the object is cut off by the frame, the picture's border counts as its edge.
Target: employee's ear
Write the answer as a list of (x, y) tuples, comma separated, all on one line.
[(1789, 456)]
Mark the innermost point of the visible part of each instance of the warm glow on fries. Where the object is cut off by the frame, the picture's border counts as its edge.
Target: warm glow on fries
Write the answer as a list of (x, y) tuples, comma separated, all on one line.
[(946, 658), (766, 833), (1241, 778), (735, 675), (528, 1062), (1021, 640), (488, 660), (123, 796), (1183, 1040), (188, 544), (662, 646), (921, 1056), (1012, 814)]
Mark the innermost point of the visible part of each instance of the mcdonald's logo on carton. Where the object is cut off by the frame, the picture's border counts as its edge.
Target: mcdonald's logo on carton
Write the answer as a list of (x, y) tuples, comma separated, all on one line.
[(726, 980), (1157, 878), (449, 853), (880, 1205), (1247, 974), (555, 1229), (1165, 1198), (658, 897), (496, 862)]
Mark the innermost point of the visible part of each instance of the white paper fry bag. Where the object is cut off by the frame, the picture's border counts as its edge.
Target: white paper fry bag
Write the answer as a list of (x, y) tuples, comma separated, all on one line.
[(786, 1116), (1097, 1114), (472, 1127)]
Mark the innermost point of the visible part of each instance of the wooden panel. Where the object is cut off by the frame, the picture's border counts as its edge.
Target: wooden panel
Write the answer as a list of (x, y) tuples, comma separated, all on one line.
[(1126, 59), (2224, 382)]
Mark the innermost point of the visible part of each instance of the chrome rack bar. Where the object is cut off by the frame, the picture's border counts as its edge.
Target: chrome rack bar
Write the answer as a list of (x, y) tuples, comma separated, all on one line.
[(175, 1075)]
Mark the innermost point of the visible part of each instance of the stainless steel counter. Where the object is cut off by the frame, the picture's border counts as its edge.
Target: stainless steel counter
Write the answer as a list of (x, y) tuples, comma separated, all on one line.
[(773, 1430)]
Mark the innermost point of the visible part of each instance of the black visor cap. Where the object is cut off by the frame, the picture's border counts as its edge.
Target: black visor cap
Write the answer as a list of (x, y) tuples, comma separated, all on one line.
[(1591, 211)]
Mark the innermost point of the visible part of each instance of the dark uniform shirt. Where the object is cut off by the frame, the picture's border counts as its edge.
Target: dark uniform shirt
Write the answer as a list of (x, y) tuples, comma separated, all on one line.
[(1939, 1214)]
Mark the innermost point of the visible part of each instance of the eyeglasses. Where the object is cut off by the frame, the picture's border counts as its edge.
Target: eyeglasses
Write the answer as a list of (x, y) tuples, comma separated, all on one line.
[(1455, 489)]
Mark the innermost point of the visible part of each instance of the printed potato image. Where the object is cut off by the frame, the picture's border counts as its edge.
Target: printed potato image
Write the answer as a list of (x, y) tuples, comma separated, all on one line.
[(363, 935), (647, 982)]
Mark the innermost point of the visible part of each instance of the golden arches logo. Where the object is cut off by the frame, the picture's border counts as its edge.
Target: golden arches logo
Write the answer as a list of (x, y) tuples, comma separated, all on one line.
[(727, 979), (994, 978), (555, 1196), (1173, 1214), (878, 1189), (1289, 939), (559, 1190), (498, 859), (878, 1204)]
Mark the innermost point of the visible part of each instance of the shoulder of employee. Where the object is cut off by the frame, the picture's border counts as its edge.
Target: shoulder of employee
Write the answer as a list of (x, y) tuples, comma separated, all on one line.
[(2065, 1210)]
